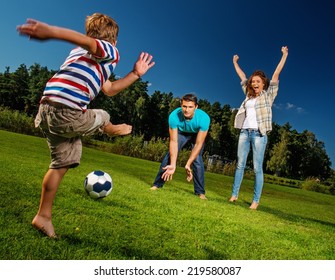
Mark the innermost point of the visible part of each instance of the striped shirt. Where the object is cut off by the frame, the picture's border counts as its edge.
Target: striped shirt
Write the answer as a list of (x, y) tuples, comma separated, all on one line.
[(263, 107), (81, 76)]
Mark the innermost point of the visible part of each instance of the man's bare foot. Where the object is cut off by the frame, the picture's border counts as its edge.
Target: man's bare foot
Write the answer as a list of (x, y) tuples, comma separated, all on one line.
[(202, 196), (254, 205), (44, 225)]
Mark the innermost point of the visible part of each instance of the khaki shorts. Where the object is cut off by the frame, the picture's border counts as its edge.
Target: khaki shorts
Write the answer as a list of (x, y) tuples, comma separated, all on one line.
[(63, 128)]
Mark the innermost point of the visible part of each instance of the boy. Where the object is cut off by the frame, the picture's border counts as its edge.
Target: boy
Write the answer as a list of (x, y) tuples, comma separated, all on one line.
[(63, 115)]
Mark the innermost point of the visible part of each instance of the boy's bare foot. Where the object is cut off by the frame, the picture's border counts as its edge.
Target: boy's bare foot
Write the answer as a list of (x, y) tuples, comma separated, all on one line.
[(122, 129), (254, 205), (44, 225), (117, 129)]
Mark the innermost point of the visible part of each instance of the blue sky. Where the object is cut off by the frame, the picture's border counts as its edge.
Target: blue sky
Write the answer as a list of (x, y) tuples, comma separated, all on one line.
[(193, 42)]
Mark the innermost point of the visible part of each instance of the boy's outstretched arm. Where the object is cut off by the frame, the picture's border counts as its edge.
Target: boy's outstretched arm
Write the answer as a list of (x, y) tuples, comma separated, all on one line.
[(275, 76), (142, 65), (238, 69), (41, 31)]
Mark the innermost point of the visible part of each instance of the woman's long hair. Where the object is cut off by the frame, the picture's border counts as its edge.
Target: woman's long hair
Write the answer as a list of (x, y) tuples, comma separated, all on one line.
[(250, 91)]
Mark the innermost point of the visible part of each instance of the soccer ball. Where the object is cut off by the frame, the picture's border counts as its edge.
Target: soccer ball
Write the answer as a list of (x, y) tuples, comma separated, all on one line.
[(98, 184)]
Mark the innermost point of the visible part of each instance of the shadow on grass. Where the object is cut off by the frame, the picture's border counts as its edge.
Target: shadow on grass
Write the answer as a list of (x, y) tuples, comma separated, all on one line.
[(127, 252), (124, 251), (292, 217)]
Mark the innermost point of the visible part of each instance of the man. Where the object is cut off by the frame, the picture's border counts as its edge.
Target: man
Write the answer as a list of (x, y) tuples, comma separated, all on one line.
[(186, 124)]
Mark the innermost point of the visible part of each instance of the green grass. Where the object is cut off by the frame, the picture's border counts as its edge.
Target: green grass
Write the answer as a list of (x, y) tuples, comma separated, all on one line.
[(170, 224)]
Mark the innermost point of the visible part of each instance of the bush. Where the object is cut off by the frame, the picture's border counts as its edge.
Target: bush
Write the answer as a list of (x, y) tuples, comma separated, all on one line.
[(127, 146), (18, 122), (132, 146), (312, 184), (281, 181), (155, 150), (229, 168)]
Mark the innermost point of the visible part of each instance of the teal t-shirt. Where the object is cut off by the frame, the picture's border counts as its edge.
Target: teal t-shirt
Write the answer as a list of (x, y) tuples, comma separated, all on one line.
[(199, 122)]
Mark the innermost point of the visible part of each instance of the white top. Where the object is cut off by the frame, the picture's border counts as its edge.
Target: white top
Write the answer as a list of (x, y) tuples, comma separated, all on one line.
[(250, 119)]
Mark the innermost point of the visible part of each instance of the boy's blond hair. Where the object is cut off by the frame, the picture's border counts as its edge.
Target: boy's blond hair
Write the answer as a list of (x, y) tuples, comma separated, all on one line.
[(102, 27)]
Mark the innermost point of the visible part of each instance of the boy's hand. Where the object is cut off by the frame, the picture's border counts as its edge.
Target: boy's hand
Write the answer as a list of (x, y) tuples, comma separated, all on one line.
[(35, 29), (143, 64)]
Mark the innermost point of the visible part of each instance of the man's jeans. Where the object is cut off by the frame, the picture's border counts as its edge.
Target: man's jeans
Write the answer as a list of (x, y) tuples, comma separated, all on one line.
[(197, 165), (258, 143)]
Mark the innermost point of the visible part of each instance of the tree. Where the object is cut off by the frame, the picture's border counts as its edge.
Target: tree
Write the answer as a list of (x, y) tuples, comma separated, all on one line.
[(19, 89), (280, 156), (205, 105), (5, 88), (213, 142), (157, 114), (315, 162), (38, 77), (228, 138), (14, 88), (129, 106), (273, 138)]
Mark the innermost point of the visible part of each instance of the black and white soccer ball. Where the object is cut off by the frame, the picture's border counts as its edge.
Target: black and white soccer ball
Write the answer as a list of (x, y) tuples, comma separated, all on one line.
[(98, 184)]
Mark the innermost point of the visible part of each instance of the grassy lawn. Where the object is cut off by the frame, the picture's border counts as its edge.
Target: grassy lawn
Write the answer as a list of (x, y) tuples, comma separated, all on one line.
[(134, 223)]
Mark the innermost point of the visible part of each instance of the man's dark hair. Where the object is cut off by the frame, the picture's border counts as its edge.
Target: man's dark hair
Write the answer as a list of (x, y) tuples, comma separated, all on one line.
[(190, 97)]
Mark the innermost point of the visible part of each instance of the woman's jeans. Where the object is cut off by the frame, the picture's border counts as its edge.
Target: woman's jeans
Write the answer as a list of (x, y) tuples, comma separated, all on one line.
[(258, 143), (197, 165)]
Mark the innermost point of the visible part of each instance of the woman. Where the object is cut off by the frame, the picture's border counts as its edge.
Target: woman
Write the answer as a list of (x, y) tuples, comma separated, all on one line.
[(254, 118)]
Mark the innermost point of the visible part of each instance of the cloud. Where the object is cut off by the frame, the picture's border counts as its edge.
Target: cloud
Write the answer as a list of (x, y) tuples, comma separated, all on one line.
[(277, 106), (300, 110), (289, 107)]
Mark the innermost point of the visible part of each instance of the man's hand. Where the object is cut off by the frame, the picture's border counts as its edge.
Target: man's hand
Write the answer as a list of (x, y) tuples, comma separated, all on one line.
[(169, 171), (189, 174)]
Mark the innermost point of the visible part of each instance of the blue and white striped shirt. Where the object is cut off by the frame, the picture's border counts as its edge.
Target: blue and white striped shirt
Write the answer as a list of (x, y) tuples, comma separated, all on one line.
[(81, 76)]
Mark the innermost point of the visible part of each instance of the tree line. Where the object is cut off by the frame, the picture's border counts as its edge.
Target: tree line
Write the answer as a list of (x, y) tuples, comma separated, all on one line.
[(289, 153)]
